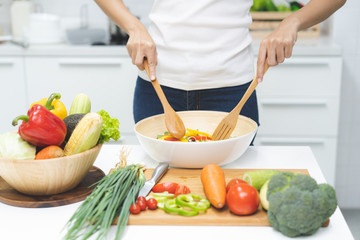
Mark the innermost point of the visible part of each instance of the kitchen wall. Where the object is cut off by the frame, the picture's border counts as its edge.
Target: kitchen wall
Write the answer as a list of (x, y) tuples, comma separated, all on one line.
[(346, 31)]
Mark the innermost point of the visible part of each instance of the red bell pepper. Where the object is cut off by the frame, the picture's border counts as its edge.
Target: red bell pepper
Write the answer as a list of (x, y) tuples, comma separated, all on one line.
[(41, 127), (172, 139)]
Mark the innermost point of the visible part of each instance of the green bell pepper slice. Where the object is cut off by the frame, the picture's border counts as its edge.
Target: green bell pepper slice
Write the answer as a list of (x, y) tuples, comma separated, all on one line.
[(161, 198), (170, 206), (193, 201)]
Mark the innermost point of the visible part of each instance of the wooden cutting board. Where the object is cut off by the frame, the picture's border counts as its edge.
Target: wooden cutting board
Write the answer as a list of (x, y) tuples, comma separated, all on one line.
[(10, 196), (223, 217)]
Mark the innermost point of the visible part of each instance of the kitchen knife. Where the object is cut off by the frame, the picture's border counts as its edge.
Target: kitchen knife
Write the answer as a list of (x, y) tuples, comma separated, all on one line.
[(159, 171)]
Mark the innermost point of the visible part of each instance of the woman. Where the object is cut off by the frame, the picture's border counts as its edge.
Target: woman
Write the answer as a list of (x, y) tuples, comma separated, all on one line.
[(200, 51)]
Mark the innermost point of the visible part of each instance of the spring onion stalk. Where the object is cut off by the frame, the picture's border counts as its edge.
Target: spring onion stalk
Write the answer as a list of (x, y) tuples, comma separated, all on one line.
[(111, 198)]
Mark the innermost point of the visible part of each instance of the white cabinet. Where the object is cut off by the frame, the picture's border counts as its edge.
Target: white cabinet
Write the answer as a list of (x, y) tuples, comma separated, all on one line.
[(299, 105), (108, 81), (12, 92)]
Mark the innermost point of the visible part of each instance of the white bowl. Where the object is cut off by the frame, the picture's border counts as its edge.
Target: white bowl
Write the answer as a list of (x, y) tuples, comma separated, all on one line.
[(195, 154)]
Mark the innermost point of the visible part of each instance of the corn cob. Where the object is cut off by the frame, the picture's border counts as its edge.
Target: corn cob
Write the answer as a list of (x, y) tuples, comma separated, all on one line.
[(85, 135)]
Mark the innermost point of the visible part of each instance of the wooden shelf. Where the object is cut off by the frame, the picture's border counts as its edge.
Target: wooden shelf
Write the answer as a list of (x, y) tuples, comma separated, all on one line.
[(265, 22)]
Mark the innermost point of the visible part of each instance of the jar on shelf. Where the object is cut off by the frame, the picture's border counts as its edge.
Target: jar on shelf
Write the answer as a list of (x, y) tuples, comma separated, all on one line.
[(20, 11)]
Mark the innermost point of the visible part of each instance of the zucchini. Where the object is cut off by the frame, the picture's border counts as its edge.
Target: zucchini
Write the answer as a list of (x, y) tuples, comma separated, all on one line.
[(80, 104), (85, 135)]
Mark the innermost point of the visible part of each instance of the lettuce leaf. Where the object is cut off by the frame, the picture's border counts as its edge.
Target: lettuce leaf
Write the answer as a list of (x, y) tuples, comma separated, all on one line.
[(110, 127)]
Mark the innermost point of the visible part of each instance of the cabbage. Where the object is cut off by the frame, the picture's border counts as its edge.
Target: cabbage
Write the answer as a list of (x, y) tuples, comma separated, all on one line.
[(13, 146)]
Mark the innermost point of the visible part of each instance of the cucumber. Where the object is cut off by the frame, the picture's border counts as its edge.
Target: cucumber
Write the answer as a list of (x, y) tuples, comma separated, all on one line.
[(85, 135), (263, 195), (259, 177), (80, 104)]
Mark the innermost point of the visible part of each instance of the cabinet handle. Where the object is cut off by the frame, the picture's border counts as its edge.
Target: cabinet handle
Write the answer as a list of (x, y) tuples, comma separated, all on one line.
[(89, 62), (311, 62), (302, 141), (292, 102), (6, 63)]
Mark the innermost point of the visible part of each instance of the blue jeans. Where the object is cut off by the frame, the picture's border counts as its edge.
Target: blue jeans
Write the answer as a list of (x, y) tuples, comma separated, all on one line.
[(147, 103)]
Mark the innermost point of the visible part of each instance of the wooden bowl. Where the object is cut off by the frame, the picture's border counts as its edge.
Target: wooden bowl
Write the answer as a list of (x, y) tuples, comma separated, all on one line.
[(195, 154), (48, 176)]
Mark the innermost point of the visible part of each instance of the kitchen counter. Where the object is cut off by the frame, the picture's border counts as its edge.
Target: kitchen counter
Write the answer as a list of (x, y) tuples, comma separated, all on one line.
[(47, 223), (322, 46)]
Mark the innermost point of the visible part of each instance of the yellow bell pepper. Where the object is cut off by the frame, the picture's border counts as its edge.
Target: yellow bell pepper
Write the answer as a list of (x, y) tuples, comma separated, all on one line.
[(191, 132), (55, 106)]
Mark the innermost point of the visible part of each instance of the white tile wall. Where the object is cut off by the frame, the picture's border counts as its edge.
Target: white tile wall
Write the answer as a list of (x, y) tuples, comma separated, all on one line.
[(140, 8), (347, 33)]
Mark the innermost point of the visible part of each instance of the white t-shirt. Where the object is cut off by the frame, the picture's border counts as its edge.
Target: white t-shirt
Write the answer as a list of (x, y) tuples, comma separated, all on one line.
[(202, 44)]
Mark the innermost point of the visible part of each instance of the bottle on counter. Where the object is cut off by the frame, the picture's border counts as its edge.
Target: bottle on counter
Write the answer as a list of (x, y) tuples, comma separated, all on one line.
[(20, 11)]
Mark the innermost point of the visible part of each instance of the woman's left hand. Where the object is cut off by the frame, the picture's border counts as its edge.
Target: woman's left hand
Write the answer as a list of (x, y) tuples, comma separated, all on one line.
[(277, 46)]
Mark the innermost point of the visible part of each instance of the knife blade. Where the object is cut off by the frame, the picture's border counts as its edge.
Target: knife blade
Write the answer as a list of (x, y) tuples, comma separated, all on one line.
[(159, 171)]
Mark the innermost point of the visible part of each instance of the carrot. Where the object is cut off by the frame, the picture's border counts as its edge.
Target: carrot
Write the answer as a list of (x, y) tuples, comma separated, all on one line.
[(213, 181), (50, 152)]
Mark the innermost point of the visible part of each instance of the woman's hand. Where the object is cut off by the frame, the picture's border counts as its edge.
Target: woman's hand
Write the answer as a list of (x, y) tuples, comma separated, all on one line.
[(277, 46), (140, 46)]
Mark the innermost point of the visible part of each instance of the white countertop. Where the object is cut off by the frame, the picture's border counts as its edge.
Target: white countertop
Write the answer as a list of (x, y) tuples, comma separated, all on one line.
[(47, 223), (322, 46)]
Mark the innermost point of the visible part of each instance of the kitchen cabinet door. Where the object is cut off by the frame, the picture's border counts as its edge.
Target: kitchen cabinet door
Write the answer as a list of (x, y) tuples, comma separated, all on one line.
[(12, 92), (303, 77), (316, 116), (108, 81), (324, 149), (299, 106)]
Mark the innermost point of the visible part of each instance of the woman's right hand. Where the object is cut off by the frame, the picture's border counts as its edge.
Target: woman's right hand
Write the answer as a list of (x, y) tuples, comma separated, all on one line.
[(140, 46)]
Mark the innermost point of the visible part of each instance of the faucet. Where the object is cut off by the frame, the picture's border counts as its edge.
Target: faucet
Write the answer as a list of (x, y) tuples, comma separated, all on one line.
[(84, 16)]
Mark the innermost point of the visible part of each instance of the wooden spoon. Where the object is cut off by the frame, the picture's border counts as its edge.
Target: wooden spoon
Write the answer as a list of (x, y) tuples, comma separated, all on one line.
[(173, 122)]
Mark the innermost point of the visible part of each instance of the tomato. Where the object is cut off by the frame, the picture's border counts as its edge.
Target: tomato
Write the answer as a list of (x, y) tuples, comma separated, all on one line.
[(151, 203), (165, 187), (242, 199), (135, 208), (181, 189), (142, 203), (233, 182)]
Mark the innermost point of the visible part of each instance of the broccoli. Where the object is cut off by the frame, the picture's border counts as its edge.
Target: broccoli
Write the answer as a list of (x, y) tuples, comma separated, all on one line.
[(298, 205)]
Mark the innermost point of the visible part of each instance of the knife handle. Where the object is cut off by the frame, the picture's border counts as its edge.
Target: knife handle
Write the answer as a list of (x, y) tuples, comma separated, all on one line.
[(159, 171)]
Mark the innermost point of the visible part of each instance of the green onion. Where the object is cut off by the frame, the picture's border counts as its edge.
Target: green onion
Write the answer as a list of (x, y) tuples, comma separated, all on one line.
[(111, 198)]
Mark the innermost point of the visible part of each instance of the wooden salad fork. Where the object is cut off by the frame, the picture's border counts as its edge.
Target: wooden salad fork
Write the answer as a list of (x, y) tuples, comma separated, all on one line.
[(173, 122), (228, 123)]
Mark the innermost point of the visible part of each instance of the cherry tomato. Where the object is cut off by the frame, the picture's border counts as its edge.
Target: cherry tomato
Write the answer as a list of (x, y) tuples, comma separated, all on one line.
[(142, 203), (162, 187), (135, 208), (233, 182), (242, 199), (151, 203), (181, 189)]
